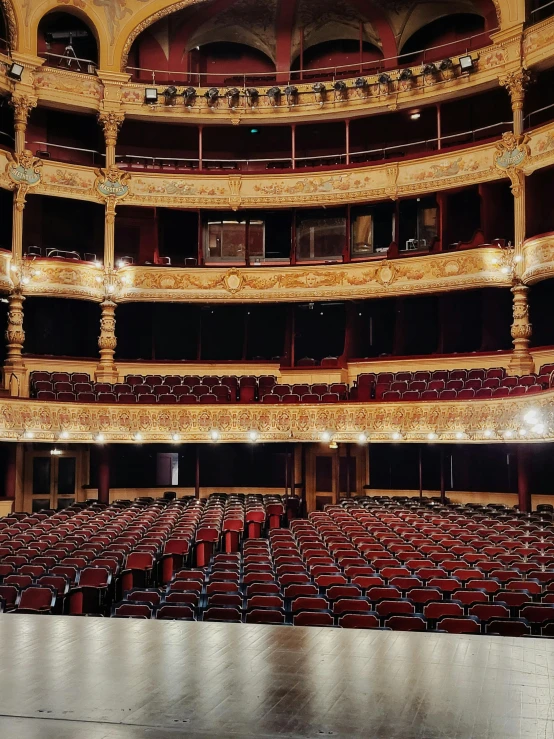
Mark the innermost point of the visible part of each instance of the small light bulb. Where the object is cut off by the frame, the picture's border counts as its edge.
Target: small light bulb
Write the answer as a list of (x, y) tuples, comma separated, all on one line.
[(176, 437), (29, 435), (460, 435), (111, 288), (508, 434), (326, 436), (214, 435), (518, 258), (396, 436), (531, 417), (523, 432), (431, 436), (253, 436), (538, 429), (138, 436), (100, 438), (64, 435), (362, 438), (488, 433), (98, 264), (25, 280)]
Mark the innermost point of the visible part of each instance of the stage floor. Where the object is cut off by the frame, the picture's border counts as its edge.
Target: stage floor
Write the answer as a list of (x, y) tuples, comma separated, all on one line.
[(92, 678)]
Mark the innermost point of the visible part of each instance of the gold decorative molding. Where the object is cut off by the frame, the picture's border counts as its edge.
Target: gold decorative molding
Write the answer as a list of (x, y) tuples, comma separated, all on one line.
[(11, 20), (538, 259), (476, 420)]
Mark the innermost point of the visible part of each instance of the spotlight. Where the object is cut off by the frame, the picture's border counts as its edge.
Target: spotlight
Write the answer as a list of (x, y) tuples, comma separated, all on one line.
[(232, 95), (15, 72), (396, 436), (214, 435), (151, 95), (212, 96), (291, 93), (415, 116), (466, 63), (176, 437), (170, 95), (253, 436), (189, 96), (138, 436), (460, 435), (99, 438), (252, 96), (29, 435), (488, 433), (274, 95), (431, 436)]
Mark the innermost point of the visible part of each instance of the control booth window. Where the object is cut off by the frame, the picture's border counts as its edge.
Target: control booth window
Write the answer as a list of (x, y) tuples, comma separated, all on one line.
[(234, 241), (320, 235), (419, 224)]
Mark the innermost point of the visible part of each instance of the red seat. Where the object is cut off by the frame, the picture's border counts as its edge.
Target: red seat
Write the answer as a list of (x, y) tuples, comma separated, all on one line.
[(174, 612), (358, 621), (132, 610), (313, 618), (37, 599), (265, 616), (461, 625), (406, 623)]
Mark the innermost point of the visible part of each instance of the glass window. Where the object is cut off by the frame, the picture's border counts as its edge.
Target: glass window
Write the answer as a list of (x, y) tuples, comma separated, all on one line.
[(225, 241), (362, 235), (320, 237), (66, 475)]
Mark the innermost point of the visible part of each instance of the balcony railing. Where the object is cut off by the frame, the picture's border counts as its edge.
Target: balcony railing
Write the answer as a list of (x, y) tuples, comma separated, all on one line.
[(375, 66), (69, 63)]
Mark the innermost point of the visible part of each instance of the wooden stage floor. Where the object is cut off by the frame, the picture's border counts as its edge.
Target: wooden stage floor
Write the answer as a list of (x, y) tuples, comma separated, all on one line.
[(92, 678)]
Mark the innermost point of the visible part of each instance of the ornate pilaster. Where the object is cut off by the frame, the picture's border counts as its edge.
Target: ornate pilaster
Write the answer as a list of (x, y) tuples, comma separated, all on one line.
[(14, 366), (109, 234), (516, 83), (111, 122), (22, 106), (23, 169), (521, 362), (106, 370)]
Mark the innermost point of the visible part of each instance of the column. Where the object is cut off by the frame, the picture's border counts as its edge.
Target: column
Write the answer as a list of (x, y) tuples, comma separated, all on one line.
[(106, 371), (104, 474), (22, 106), (523, 487), (14, 367), (516, 83), (109, 234), (111, 121), (521, 362), (17, 222)]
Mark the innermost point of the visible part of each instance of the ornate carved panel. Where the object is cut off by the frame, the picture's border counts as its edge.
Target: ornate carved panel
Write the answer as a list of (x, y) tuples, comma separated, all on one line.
[(470, 420)]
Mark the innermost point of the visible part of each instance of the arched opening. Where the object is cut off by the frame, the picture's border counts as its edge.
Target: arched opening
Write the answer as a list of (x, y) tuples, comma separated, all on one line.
[(445, 37), (349, 55), (224, 62), (66, 41)]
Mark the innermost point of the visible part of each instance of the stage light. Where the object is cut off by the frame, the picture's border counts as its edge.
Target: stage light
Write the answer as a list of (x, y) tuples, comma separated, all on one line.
[(466, 63), (253, 436), (214, 435), (138, 436), (170, 95), (15, 71), (176, 437), (325, 436), (397, 436), (151, 95), (431, 436), (362, 438), (99, 438), (64, 435), (29, 435), (189, 96)]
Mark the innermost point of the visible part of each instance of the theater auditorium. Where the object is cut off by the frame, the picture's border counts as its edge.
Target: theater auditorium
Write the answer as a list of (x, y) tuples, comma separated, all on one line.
[(277, 369)]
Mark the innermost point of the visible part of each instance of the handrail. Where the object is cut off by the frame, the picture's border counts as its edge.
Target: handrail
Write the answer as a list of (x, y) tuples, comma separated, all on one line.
[(292, 72), (69, 60), (542, 7), (71, 148)]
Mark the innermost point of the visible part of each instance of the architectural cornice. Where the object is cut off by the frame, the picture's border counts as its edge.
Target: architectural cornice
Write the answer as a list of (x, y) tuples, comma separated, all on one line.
[(476, 421)]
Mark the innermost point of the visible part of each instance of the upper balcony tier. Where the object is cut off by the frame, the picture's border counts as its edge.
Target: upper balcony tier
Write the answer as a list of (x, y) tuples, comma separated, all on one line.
[(356, 83)]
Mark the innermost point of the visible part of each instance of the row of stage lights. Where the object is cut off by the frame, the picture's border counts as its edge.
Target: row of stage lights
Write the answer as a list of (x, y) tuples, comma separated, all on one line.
[(274, 94), (533, 427)]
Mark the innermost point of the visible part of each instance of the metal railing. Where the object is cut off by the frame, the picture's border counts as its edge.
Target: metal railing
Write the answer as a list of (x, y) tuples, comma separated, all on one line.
[(70, 63), (95, 157), (543, 11), (422, 56)]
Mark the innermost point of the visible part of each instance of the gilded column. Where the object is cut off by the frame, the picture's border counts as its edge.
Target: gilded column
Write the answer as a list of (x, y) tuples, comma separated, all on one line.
[(22, 106), (521, 362), (109, 234), (516, 83), (14, 367), (106, 371), (111, 121), (17, 223)]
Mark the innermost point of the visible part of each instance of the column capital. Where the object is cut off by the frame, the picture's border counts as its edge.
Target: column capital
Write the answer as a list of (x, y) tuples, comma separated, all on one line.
[(22, 106), (516, 83), (111, 122)]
